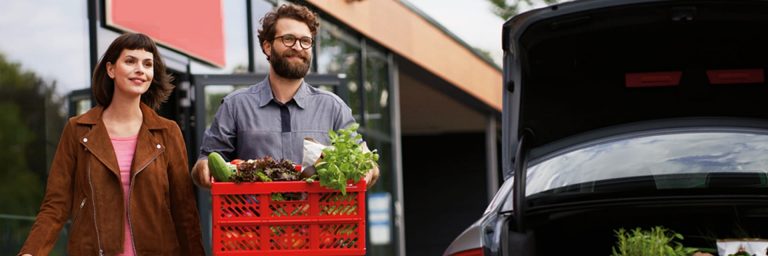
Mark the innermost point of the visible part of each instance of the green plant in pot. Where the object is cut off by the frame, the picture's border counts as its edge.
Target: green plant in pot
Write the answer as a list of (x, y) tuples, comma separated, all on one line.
[(655, 242)]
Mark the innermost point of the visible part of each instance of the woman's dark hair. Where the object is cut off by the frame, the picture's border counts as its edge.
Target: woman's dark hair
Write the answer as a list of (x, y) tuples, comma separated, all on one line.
[(103, 86), (296, 12)]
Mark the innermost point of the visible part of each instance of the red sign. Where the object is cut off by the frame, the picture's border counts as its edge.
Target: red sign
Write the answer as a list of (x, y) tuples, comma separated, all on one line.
[(192, 27)]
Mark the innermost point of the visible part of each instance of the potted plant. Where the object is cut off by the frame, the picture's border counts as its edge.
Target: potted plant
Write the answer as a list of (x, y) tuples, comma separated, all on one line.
[(654, 242)]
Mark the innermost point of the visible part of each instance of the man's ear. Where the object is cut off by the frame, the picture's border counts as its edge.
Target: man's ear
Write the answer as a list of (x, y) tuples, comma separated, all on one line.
[(266, 47)]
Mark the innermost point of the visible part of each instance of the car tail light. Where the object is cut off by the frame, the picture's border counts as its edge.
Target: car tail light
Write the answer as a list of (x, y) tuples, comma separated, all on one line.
[(652, 79), (470, 252), (736, 76)]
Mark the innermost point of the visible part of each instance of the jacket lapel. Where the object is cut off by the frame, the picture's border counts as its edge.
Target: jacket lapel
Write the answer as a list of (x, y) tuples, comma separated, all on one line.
[(97, 141), (148, 147)]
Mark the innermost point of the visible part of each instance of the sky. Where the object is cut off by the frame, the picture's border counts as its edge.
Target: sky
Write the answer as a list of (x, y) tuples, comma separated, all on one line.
[(471, 20), (39, 34)]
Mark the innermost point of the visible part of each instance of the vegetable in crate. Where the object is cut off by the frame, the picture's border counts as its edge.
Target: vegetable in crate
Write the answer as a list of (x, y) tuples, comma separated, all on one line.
[(265, 169), (344, 160), (220, 169)]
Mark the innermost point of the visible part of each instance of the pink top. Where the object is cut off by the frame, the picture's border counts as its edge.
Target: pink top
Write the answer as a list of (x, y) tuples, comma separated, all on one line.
[(125, 147)]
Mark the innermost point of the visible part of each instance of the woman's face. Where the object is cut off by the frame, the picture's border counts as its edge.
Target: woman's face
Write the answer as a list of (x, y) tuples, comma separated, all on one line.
[(133, 72)]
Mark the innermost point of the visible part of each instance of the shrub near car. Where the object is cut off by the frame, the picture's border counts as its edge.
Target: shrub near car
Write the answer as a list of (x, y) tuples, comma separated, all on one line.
[(625, 114)]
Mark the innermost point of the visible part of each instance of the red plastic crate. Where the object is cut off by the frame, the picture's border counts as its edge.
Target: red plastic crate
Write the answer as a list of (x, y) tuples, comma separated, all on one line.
[(287, 218)]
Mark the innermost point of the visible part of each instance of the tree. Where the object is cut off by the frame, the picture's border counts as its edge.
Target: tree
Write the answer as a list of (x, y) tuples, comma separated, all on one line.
[(506, 10), (31, 120)]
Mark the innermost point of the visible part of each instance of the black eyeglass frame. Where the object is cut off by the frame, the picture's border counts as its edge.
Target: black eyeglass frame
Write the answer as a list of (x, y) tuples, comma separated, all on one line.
[(289, 37)]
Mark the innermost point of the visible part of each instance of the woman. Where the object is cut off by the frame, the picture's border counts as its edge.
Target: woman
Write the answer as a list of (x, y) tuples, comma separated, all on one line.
[(120, 171)]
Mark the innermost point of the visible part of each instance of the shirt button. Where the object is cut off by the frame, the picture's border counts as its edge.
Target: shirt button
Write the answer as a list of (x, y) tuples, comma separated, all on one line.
[(85, 140), (158, 146)]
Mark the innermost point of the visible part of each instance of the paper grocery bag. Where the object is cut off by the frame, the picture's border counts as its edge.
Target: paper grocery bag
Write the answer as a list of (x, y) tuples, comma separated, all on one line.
[(313, 150)]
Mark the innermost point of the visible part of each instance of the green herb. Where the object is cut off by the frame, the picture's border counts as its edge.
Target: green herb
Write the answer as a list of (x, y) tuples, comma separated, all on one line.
[(344, 160), (657, 241)]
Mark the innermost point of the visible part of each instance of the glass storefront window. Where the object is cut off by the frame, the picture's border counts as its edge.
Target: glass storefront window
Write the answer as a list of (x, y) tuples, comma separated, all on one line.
[(338, 52), (258, 9), (384, 185), (213, 96), (376, 87), (43, 56)]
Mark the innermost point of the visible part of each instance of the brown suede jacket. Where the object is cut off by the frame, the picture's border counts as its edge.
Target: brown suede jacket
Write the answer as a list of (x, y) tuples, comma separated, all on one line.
[(84, 186)]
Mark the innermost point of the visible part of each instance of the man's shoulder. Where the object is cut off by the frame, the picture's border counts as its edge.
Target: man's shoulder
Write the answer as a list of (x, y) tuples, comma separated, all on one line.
[(323, 95), (244, 93)]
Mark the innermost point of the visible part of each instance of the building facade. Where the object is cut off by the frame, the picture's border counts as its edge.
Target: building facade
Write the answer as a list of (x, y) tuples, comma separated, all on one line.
[(425, 100)]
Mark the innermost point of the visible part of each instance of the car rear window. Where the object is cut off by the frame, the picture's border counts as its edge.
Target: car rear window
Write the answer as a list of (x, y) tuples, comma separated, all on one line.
[(657, 161)]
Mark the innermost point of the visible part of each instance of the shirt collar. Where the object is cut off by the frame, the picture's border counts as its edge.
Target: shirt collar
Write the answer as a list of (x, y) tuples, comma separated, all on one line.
[(264, 92)]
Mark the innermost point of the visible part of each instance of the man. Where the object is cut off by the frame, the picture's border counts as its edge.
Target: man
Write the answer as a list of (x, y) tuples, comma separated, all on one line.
[(272, 117)]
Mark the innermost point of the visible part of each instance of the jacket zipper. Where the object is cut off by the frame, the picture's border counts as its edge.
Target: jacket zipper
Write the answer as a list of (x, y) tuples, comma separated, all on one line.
[(80, 212), (130, 192), (95, 225)]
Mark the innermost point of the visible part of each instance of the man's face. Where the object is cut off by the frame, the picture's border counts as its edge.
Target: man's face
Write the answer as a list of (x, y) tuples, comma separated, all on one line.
[(290, 62)]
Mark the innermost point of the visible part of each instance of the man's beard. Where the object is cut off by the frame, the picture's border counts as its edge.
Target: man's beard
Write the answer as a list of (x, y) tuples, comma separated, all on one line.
[(287, 69)]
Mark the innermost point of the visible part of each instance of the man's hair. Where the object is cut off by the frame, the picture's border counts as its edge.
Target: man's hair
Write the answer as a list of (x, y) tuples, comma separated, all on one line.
[(103, 86), (290, 11)]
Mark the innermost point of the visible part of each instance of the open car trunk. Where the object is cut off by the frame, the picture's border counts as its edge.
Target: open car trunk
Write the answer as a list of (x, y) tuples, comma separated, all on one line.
[(591, 231), (585, 65)]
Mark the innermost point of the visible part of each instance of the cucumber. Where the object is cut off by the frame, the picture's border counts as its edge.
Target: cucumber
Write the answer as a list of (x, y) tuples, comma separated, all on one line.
[(220, 170)]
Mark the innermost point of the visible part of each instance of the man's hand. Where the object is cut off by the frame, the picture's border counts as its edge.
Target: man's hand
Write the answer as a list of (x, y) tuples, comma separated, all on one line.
[(201, 175), (372, 176)]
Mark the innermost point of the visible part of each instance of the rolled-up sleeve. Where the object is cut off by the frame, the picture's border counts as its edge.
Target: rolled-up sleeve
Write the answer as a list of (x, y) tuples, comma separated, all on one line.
[(221, 135)]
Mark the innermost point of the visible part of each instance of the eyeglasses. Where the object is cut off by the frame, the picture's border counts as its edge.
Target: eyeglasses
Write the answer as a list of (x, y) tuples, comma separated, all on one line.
[(290, 40)]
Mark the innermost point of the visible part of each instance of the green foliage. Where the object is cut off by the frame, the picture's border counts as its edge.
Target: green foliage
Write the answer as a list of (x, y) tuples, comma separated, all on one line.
[(505, 11), (658, 241), (20, 189), (344, 160), (31, 119)]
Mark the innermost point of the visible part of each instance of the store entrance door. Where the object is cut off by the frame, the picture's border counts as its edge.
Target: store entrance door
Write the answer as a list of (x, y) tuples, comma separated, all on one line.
[(208, 92)]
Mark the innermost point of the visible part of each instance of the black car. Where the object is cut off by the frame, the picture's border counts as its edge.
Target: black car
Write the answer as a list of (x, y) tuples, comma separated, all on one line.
[(624, 114)]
